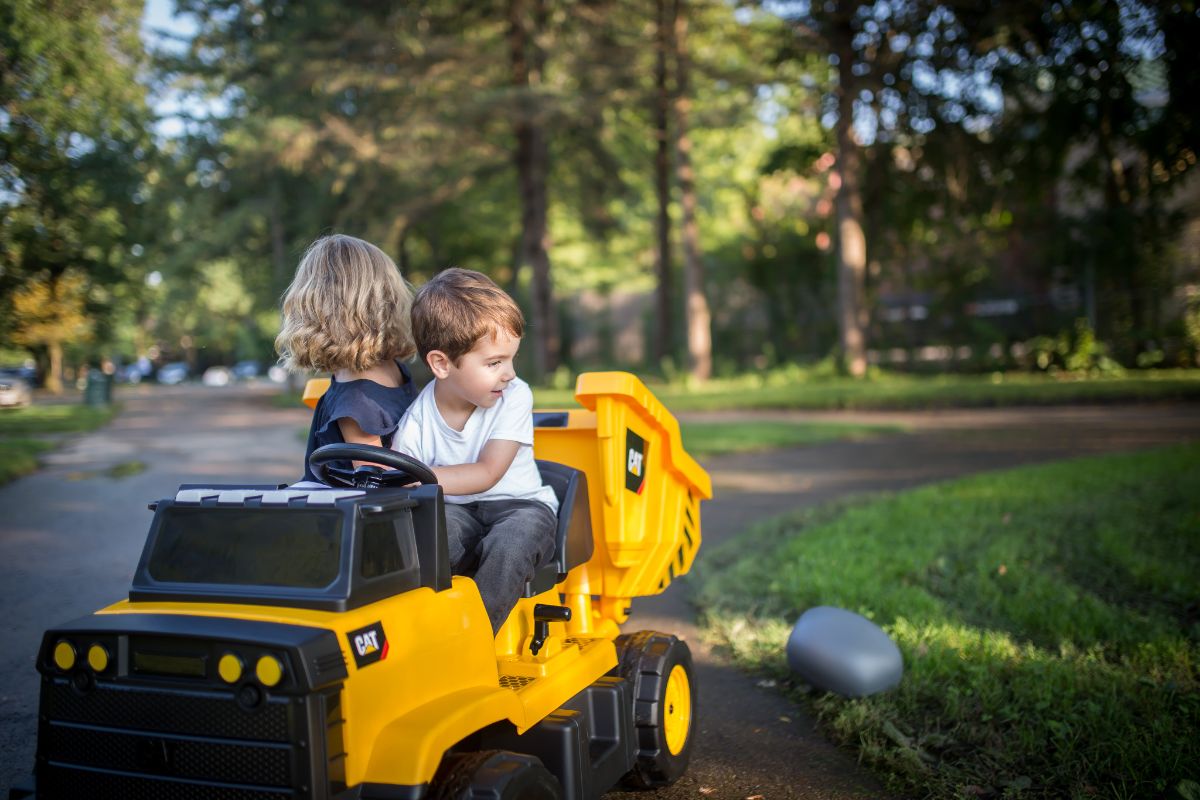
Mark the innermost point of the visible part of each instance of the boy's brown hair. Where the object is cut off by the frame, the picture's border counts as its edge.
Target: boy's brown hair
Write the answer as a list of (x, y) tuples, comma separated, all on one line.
[(457, 308)]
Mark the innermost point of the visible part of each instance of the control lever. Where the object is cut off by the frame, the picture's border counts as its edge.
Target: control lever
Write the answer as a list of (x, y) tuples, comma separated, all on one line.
[(543, 615)]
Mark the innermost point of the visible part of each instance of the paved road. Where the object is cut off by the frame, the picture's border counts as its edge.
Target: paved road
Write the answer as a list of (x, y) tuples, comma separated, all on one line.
[(70, 536)]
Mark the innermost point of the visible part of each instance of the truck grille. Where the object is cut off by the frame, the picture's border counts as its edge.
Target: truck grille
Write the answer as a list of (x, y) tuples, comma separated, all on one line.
[(132, 742)]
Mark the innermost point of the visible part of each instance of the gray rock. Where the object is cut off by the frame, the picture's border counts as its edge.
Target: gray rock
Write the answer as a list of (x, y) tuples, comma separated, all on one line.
[(843, 652)]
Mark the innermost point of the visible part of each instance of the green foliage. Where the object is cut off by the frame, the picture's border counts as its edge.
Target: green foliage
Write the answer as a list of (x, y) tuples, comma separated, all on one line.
[(1077, 351), (703, 439), (1010, 149), (75, 143), (1046, 616)]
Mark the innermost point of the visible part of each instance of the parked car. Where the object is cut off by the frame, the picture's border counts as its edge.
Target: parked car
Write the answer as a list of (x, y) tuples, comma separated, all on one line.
[(173, 373), (24, 372), (245, 370), (15, 392), (217, 376), (135, 372)]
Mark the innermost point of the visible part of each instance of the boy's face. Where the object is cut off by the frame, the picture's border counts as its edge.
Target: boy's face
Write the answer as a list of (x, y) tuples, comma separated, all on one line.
[(480, 376)]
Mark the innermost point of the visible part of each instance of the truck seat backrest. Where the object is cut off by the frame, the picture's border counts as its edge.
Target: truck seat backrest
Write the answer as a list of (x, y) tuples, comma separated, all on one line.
[(573, 543)]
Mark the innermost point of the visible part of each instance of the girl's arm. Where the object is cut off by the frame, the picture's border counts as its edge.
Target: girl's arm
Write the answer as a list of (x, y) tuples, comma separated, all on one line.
[(494, 460), (354, 434)]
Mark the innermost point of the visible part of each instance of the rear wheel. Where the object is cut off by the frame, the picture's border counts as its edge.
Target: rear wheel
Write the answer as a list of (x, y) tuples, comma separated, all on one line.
[(494, 775), (659, 668)]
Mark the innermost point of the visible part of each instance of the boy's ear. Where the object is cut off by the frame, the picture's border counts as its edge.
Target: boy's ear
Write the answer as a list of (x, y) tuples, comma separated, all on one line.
[(439, 363)]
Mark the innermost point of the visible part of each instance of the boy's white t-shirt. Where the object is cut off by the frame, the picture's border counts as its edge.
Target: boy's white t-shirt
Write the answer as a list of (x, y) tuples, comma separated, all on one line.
[(424, 435)]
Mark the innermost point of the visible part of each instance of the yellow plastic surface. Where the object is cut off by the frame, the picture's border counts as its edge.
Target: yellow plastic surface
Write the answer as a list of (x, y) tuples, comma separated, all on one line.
[(313, 389), (646, 537), (437, 681), (677, 714), (230, 668), (97, 658), (64, 655), (268, 670)]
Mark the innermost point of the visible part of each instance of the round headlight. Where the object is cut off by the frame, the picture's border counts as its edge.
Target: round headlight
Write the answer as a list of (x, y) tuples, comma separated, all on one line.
[(269, 670), (230, 668), (64, 655), (98, 658)]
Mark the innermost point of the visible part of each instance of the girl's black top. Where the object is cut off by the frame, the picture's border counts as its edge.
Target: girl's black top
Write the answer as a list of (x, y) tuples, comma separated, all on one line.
[(376, 408)]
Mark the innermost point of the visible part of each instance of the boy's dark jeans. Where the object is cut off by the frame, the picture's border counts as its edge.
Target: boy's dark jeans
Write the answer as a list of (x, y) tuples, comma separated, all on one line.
[(503, 542)]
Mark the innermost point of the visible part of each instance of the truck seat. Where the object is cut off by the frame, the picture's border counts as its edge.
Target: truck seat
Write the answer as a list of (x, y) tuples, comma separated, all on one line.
[(573, 543)]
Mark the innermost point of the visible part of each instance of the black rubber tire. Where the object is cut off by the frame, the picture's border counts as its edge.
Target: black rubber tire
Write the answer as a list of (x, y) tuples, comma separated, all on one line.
[(646, 659), (494, 775)]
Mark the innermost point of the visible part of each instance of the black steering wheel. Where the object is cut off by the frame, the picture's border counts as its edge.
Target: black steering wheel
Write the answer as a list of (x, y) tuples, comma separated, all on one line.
[(404, 469)]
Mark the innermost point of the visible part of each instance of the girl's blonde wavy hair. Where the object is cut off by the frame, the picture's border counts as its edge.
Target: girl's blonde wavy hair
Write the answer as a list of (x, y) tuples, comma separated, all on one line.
[(347, 308)]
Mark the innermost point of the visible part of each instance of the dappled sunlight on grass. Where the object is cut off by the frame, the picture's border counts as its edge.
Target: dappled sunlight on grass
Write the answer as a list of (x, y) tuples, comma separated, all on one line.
[(1047, 618)]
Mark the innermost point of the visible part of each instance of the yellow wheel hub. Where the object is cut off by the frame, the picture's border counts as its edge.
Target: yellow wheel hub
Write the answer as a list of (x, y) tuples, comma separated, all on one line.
[(677, 719)]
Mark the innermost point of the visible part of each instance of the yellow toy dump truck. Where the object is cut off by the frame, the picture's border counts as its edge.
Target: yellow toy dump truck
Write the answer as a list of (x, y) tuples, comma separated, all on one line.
[(293, 643)]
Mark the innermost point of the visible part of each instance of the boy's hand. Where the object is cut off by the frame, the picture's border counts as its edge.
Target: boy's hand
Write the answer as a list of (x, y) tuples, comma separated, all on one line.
[(494, 460)]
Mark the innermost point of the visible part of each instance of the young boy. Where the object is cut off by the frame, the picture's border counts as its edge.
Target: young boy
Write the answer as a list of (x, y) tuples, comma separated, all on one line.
[(473, 425)]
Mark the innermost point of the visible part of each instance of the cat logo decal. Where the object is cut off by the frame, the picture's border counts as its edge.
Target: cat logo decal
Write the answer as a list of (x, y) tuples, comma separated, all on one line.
[(369, 644)]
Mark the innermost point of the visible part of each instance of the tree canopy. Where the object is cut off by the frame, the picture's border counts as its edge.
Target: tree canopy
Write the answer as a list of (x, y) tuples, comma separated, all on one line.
[(867, 179)]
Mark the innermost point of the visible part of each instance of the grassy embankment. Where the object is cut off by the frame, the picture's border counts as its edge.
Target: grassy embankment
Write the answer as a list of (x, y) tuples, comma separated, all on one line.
[(1049, 619), (805, 388), (26, 433)]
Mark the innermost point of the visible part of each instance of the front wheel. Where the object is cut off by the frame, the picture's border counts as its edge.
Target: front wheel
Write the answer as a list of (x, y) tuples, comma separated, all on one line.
[(494, 775), (659, 668)]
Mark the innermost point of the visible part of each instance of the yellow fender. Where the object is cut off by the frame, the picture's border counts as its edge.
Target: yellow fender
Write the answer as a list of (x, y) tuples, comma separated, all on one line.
[(409, 749)]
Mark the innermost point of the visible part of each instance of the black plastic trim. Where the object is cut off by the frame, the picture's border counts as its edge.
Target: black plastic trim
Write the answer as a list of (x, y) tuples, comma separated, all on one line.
[(573, 542), (349, 590)]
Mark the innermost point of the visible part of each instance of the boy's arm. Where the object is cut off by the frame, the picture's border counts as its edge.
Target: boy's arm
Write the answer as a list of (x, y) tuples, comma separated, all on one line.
[(494, 460)]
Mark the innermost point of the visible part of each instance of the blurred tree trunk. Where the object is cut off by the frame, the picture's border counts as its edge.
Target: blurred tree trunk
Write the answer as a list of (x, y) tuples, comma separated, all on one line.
[(53, 382), (664, 344), (532, 161), (851, 243), (699, 323)]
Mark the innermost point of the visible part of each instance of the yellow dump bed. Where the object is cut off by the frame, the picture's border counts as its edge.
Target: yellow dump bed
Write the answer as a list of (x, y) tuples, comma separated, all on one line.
[(645, 491)]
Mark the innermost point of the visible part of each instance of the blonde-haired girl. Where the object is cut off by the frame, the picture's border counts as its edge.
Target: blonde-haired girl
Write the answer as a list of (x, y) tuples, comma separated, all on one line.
[(347, 312)]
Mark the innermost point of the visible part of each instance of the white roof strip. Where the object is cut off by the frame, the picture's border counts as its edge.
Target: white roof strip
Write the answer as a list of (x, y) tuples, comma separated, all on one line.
[(328, 497), (236, 497), (194, 495), (277, 497)]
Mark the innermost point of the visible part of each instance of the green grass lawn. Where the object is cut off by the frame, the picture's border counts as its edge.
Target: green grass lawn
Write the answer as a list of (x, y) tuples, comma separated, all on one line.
[(701, 439), (19, 450), (801, 388), (1049, 619)]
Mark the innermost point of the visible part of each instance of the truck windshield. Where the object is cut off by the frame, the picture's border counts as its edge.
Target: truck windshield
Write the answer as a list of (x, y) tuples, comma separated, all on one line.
[(298, 548)]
